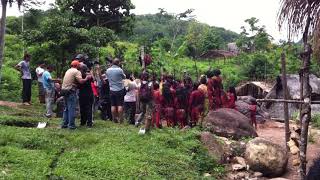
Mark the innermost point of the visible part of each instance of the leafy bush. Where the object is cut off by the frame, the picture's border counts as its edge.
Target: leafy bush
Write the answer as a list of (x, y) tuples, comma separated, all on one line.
[(10, 84), (316, 120), (205, 164), (257, 67)]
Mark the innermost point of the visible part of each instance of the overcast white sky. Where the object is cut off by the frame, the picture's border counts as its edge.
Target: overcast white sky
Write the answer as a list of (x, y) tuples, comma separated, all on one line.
[(229, 14)]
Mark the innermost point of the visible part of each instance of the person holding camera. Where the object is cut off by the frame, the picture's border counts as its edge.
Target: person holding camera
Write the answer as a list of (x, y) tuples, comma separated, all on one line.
[(71, 79)]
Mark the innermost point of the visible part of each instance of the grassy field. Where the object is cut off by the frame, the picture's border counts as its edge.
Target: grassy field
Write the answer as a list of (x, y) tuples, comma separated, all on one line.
[(107, 151)]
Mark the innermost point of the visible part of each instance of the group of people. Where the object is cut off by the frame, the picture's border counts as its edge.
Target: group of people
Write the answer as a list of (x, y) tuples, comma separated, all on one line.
[(183, 102), (45, 83), (120, 96)]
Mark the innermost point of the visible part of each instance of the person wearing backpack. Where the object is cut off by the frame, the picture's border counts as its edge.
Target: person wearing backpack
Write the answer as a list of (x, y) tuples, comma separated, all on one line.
[(105, 104), (181, 104), (196, 104), (168, 94), (86, 99), (146, 100)]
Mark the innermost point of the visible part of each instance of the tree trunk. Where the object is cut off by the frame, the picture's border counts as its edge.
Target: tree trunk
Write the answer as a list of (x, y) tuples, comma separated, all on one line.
[(287, 101), (285, 96), (144, 69), (196, 67), (305, 113), (2, 32), (175, 33)]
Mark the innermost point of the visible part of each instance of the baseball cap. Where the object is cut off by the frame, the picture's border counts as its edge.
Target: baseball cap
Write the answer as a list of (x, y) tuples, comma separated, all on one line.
[(75, 63)]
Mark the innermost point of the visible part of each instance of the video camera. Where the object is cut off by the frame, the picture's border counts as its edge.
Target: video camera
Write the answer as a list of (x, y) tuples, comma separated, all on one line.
[(85, 59)]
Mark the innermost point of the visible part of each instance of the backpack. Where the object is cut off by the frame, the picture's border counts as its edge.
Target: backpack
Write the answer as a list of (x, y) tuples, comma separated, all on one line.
[(145, 92)]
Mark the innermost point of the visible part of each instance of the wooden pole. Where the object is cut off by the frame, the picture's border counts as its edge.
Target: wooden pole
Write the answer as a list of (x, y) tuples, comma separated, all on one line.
[(142, 59), (2, 32), (287, 101), (195, 65), (285, 96), (305, 113)]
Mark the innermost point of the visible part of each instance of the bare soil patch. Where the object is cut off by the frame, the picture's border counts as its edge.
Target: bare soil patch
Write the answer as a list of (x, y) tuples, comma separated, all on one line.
[(275, 132)]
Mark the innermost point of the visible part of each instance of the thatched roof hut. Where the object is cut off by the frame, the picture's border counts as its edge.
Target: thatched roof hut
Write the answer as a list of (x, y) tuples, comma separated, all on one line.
[(293, 83), (215, 54), (255, 89)]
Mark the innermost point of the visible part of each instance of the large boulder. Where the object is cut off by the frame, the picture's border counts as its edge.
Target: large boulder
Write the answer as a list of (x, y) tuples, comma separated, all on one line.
[(266, 157), (215, 148), (229, 123)]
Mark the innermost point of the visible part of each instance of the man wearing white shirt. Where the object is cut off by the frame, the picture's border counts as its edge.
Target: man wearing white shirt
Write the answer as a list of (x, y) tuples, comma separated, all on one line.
[(39, 71)]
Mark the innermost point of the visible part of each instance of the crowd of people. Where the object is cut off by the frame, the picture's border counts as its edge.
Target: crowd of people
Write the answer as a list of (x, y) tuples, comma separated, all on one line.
[(119, 95)]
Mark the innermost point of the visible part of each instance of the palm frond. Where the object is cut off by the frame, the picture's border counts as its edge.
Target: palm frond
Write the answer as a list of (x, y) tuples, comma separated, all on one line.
[(19, 2), (293, 15)]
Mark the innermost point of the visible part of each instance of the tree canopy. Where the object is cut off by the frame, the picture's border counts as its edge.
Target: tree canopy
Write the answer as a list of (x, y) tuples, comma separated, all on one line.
[(294, 15), (113, 14), (254, 39), (58, 39)]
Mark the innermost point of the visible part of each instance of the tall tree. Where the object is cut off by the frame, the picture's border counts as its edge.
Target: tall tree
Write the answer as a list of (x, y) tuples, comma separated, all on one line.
[(113, 14), (186, 15), (61, 40), (256, 38), (303, 16), (4, 4)]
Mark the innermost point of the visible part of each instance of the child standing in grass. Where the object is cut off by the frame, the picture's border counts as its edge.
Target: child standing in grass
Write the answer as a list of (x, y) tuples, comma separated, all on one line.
[(196, 104), (204, 89), (168, 104), (181, 104), (156, 113), (145, 94)]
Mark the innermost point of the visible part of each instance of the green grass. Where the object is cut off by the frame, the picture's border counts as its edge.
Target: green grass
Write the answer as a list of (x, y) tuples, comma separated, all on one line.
[(107, 151)]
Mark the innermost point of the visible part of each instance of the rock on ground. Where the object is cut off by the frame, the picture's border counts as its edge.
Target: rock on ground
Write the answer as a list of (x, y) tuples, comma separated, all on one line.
[(229, 123), (215, 148), (243, 107), (266, 157)]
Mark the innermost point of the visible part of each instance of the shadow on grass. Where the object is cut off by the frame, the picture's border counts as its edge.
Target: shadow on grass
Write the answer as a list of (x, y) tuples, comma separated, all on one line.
[(25, 124)]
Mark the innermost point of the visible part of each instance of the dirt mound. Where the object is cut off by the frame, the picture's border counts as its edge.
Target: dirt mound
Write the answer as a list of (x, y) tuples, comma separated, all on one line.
[(9, 104)]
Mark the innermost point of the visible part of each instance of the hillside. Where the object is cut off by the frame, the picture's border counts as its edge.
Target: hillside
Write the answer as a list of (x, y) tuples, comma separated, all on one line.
[(152, 27)]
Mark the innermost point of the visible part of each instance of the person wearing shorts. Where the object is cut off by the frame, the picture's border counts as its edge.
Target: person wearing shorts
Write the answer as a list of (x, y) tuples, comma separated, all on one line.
[(116, 76)]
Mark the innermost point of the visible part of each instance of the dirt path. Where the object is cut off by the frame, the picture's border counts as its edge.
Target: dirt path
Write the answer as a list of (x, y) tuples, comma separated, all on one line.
[(9, 104), (274, 131)]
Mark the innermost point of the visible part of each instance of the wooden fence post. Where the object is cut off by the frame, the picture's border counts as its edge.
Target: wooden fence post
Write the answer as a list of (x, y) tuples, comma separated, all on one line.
[(142, 59), (305, 113), (285, 96)]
